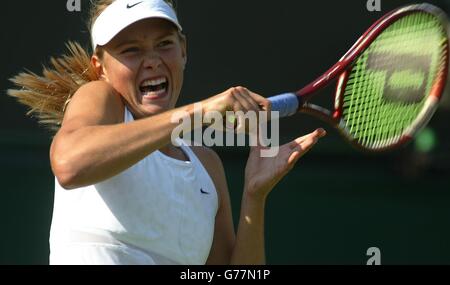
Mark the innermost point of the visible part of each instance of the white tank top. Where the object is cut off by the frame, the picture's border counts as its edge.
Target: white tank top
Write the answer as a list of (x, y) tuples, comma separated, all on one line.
[(159, 211)]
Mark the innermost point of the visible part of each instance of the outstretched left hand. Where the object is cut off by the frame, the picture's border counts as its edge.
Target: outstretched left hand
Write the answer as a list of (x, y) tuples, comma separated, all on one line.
[(263, 173)]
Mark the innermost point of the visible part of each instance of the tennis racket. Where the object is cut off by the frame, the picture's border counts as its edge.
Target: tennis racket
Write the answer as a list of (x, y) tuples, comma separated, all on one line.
[(388, 84)]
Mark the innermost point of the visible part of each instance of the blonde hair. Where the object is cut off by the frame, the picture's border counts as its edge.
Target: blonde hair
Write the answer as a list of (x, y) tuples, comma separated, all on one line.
[(48, 95)]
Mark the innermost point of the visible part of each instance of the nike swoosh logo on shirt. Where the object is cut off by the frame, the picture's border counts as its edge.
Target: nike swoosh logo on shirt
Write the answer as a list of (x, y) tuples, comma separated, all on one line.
[(203, 192), (131, 6)]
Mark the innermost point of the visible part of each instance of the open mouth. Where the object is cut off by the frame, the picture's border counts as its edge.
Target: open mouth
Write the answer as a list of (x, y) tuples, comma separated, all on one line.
[(154, 88)]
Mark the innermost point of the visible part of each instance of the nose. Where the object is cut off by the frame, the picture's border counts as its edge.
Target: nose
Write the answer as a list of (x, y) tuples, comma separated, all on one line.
[(152, 60)]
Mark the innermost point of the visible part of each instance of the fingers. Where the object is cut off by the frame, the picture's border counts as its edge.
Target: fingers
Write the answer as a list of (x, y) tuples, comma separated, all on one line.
[(238, 120), (294, 157), (226, 101), (262, 102), (249, 100), (308, 139), (302, 145), (241, 99), (246, 100)]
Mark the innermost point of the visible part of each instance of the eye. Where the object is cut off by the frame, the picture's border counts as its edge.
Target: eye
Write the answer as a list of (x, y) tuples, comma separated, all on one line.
[(165, 43), (130, 50)]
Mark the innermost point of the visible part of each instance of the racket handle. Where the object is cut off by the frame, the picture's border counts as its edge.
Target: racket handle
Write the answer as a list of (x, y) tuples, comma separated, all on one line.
[(286, 104)]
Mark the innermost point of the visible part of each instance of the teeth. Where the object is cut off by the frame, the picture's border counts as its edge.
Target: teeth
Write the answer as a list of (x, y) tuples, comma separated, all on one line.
[(154, 82), (154, 92)]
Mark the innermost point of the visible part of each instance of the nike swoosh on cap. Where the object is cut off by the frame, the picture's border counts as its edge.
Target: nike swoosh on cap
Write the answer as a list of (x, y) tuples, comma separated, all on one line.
[(131, 6), (203, 192)]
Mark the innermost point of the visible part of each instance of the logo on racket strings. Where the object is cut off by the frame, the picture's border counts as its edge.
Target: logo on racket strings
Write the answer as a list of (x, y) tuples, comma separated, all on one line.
[(405, 76)]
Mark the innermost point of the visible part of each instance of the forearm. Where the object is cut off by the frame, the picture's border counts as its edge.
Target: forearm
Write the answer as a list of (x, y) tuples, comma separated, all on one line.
[(249, 244), (94, 153)]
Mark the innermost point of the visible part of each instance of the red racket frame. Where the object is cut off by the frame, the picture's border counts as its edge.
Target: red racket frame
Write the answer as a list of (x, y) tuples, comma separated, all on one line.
[(343, 66)]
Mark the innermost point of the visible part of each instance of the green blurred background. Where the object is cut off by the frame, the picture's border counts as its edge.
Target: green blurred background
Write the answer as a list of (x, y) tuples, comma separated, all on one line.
[(330, 209)]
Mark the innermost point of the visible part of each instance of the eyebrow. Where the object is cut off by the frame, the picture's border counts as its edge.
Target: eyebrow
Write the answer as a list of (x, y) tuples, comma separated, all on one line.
[(131, 42), (125, 42)]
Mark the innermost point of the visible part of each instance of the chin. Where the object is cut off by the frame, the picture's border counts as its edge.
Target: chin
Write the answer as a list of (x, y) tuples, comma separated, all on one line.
[(151, 110)]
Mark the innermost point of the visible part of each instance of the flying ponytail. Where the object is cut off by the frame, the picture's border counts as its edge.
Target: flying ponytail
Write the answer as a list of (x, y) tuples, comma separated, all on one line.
[(47, 96)]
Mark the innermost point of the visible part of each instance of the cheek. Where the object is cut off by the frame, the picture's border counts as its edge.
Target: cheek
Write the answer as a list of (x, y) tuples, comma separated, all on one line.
[(178, 84), (177, 68), (120, 77)]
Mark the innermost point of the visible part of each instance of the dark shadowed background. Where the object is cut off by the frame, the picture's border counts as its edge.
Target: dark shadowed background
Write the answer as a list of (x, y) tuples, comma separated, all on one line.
[(330, 209)]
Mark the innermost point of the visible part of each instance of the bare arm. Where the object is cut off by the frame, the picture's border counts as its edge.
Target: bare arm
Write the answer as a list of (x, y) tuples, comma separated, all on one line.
[(224, 235), (261, 176), (249, 246), (93, 144), (227, 248)]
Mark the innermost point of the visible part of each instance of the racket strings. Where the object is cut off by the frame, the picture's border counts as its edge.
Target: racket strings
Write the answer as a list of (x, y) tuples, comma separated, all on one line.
[(377, 104)]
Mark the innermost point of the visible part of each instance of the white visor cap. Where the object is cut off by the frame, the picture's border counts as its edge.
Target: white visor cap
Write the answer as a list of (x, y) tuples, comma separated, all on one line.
[(122, 13)]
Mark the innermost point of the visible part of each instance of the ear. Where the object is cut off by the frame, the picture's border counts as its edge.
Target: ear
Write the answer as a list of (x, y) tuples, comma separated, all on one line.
[(98, 66)]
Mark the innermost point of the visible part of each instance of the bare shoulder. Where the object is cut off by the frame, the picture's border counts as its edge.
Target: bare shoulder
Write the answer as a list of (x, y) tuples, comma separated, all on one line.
[(210, 160), (95, 103)]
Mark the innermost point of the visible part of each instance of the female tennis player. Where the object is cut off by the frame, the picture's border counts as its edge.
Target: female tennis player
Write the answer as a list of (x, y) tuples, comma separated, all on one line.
[(134, 197)]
